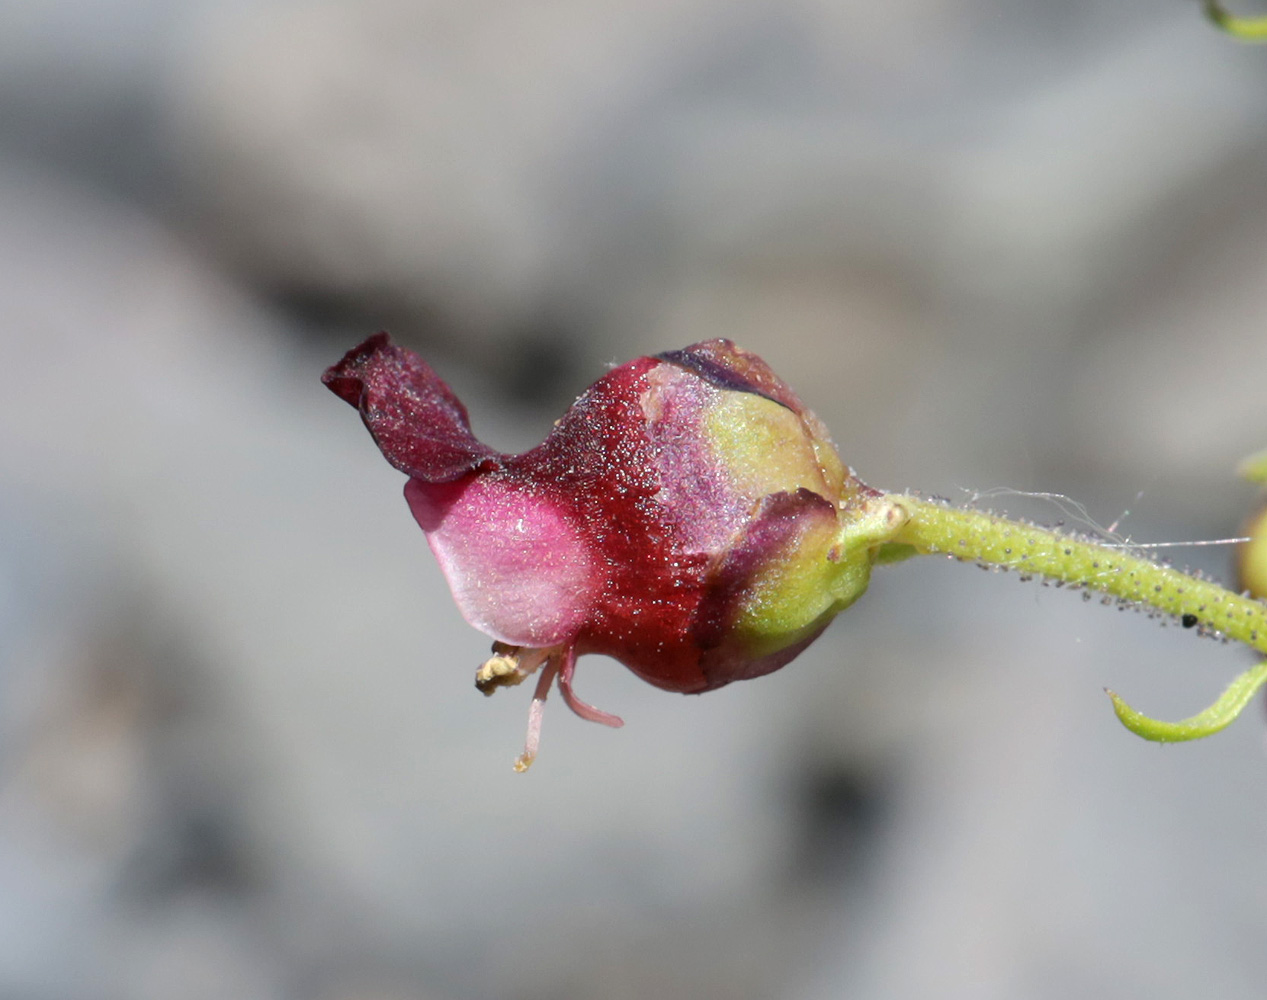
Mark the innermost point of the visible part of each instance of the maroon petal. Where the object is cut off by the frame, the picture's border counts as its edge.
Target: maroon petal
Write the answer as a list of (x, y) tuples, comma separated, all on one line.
[(416, 421), (520, 568)]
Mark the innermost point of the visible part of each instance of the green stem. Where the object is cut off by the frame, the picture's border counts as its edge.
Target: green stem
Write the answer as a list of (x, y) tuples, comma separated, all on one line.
[(970, 535), (1249, 29)]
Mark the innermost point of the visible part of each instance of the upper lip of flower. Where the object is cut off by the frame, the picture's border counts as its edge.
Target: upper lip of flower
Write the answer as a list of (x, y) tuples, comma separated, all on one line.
[(420, 426)]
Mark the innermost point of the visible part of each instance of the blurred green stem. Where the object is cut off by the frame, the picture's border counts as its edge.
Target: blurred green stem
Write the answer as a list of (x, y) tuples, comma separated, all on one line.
[(1254, 468), (973, 536), (1249, 29)]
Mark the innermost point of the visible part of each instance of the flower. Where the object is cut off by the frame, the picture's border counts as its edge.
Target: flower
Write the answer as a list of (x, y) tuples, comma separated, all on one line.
[(687, 516)]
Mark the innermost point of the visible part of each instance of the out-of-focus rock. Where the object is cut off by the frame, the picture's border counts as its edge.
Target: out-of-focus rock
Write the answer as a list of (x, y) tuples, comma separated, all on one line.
[(482, 169), (1196, 398)]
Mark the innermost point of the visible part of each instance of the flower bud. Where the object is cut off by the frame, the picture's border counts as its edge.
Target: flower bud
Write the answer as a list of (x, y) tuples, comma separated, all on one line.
[(687, 516), (1251, 562)]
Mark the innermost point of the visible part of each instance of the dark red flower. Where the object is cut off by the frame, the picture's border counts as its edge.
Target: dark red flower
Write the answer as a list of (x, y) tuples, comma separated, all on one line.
[(687, 516)]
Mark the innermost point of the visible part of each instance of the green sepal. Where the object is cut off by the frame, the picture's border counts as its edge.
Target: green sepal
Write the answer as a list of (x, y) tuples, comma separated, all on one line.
[(1217, 717)]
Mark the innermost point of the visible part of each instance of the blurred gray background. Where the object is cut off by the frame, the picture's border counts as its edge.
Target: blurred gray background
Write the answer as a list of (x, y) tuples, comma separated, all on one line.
[(993, 244)]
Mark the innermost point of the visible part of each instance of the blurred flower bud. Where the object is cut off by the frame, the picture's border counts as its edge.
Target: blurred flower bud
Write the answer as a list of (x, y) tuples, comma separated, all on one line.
[(1252, 556)]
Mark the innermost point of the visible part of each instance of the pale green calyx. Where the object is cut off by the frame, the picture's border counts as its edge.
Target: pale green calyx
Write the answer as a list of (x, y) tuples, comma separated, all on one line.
[(793, 598)]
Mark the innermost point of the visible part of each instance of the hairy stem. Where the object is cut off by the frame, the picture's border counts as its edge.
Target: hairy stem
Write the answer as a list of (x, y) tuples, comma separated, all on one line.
[(988, 539)]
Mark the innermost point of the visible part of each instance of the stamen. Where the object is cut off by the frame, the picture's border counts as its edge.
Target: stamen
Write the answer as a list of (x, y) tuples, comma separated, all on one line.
[(508, 666), (535, 713)]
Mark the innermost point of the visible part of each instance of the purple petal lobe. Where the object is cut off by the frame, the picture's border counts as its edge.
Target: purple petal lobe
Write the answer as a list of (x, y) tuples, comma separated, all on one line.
[(723, 364), (416, 421), (515, 561)]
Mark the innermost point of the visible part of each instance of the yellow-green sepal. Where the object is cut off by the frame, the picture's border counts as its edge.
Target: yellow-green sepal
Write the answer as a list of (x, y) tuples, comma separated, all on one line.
[(1217, 717)]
